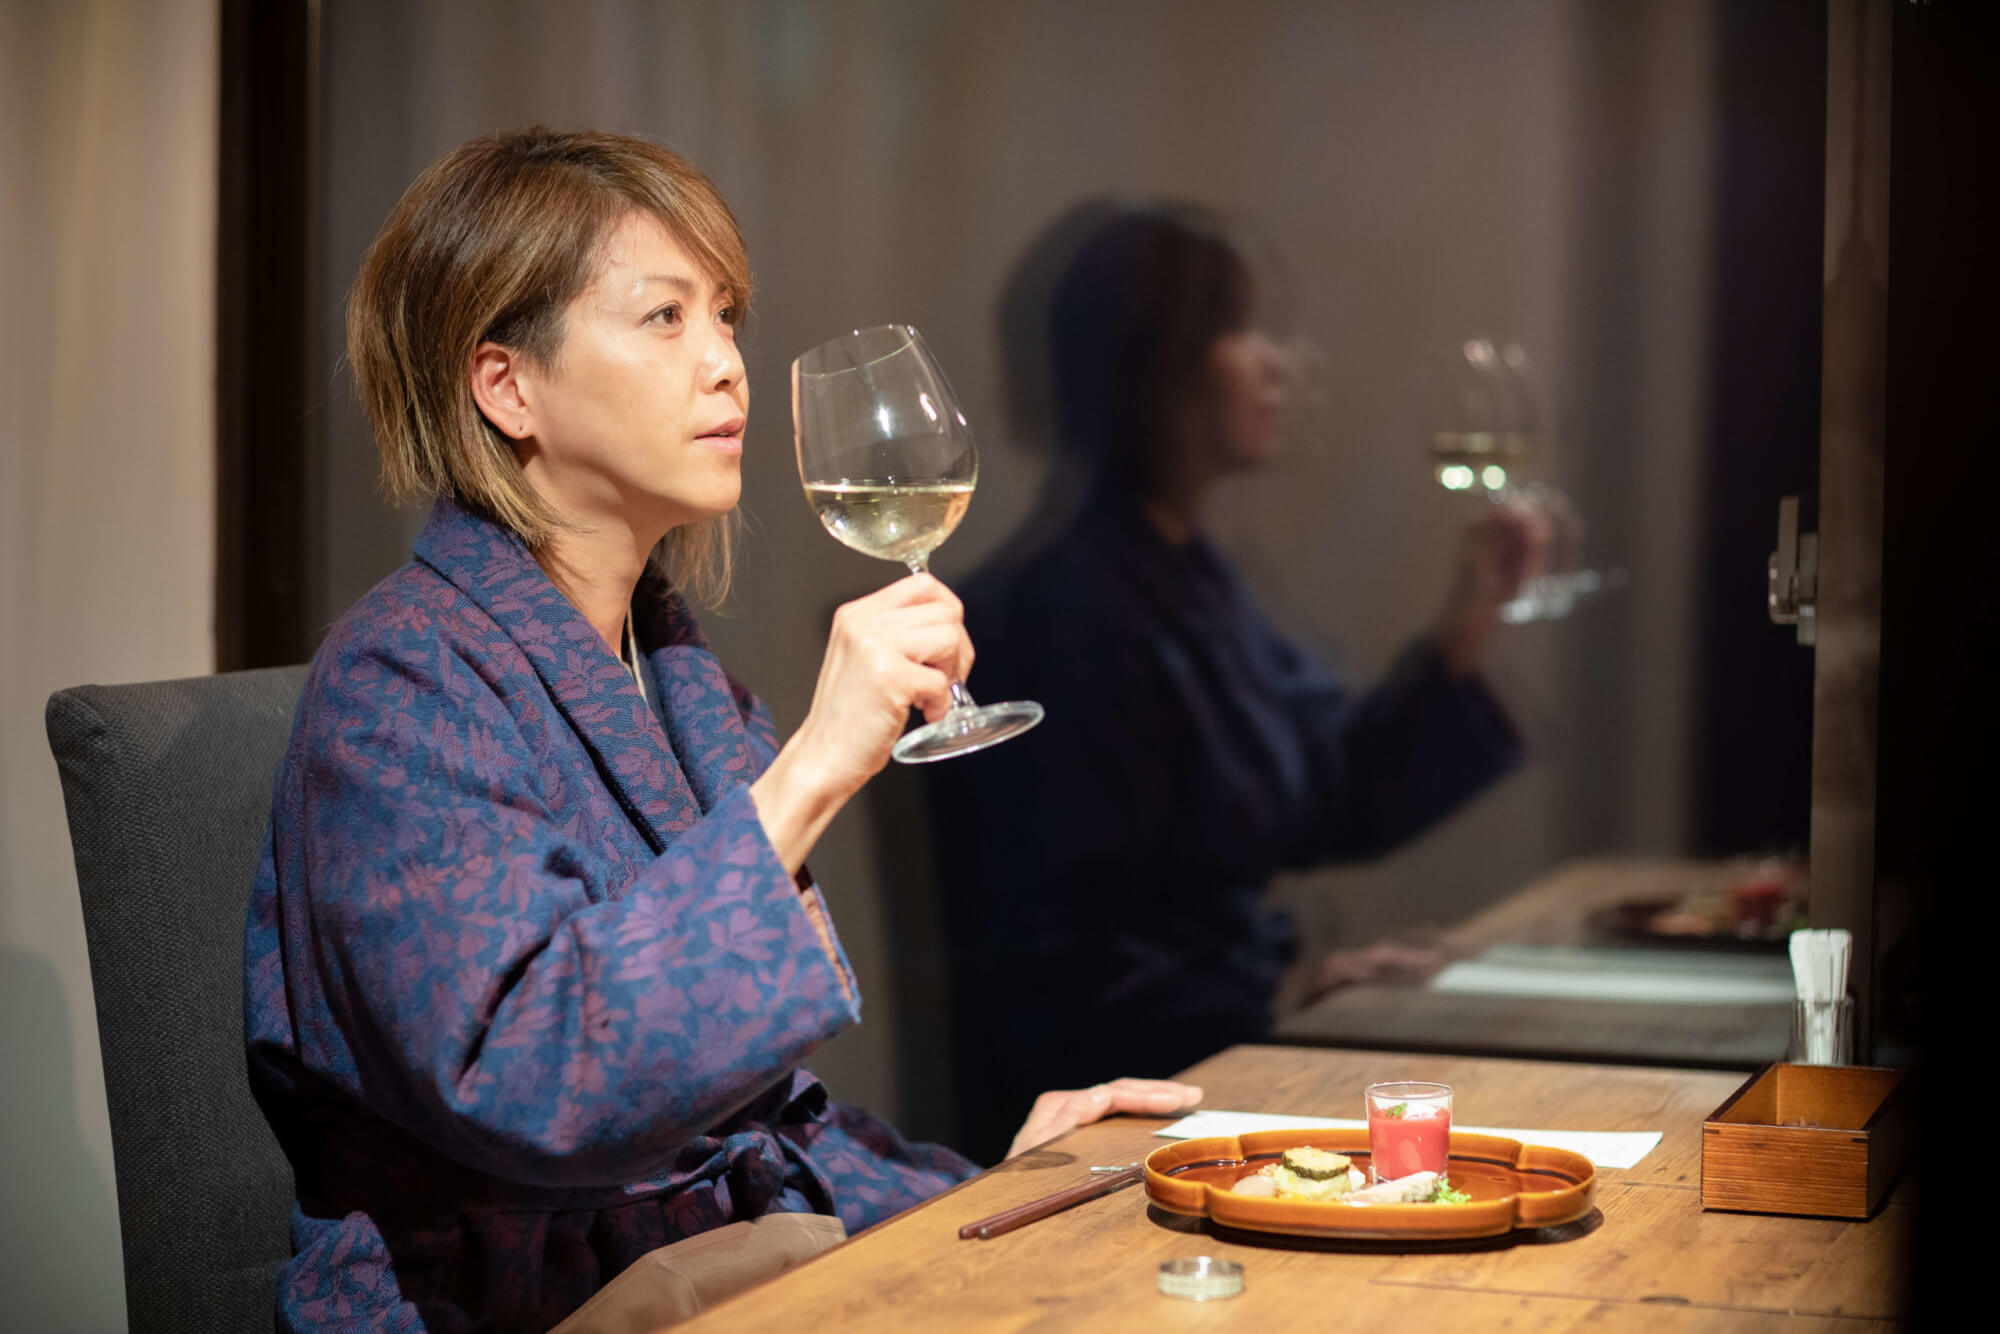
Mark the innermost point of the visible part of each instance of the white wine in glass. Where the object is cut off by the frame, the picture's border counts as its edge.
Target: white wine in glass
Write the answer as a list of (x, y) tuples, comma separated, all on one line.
[(888, 463), (891, 521)]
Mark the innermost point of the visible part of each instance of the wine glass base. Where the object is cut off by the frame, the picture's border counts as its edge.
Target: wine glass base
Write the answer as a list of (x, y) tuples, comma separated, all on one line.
[(963, 731), (1551, 597)]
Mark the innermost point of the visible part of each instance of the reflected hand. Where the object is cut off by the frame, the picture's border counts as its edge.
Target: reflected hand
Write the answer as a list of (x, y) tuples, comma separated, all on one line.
[(1502, 549), (1339, 968), (1063, 1110)]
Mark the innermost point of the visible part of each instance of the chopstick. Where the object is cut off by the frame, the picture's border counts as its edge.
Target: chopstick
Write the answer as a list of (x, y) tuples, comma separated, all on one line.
[(1035, 1210)]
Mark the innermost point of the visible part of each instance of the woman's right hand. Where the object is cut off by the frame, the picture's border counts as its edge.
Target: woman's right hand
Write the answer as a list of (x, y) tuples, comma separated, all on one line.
[(896, 649)]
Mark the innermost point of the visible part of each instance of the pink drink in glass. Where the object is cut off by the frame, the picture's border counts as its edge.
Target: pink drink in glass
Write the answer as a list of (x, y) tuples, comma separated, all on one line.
[(1409, 1129)]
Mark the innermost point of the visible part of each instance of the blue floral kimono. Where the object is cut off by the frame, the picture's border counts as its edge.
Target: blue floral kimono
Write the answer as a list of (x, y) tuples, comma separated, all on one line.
[(526, 988)]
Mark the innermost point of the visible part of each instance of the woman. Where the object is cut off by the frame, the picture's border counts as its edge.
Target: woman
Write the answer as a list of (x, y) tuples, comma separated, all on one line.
[(1119, 856), (532, 958)]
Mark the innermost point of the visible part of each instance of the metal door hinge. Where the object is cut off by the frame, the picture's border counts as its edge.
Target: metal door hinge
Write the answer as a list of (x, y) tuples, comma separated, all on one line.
[(1794, 572)]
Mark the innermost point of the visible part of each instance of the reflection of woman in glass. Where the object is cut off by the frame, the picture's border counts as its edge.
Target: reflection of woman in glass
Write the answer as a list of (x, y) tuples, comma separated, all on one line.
[(531, 960), (1105, 874)]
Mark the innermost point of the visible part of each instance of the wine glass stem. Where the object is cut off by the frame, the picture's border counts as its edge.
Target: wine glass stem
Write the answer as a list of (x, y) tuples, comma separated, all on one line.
[(960, 698)]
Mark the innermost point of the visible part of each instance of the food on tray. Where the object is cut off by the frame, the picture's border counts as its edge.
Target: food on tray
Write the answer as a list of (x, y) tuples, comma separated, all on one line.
[(1416, 1188), (1327, 1178), (1755, 901), (1313, 1174)]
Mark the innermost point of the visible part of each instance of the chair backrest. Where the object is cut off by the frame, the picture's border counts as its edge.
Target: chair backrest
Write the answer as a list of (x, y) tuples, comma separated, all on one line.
[(168, 787)]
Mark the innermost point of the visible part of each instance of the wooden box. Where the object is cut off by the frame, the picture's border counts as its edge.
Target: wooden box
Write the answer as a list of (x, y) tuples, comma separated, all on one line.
[(1822, 1140)]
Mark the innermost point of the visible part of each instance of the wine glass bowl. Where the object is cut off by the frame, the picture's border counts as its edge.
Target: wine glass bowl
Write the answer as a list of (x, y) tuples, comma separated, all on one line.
[(889, 463), (1487, 434), (885, 453)]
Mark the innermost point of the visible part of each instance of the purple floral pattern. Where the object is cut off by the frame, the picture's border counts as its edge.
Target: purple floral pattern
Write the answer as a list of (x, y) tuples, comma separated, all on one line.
[(526, 988)]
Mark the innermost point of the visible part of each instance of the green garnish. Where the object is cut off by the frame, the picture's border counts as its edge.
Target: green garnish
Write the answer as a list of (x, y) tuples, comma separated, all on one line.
[(1397, 1110), (1444, 1194)]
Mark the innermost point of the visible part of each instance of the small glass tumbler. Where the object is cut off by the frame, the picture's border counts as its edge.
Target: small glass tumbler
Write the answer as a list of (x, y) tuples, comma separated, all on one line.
[(1823, 1032), (1409, 1129)]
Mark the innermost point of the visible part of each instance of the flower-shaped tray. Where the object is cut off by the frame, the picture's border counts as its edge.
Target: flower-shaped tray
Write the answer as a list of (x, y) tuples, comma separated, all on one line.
[(1512, 1185)]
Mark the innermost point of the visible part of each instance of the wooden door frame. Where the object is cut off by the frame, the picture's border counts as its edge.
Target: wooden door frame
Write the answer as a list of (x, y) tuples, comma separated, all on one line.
[(1903, 782)]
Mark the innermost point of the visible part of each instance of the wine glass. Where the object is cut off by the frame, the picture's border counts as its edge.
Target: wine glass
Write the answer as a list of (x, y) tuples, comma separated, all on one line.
[(1490, 440), (889, 464)]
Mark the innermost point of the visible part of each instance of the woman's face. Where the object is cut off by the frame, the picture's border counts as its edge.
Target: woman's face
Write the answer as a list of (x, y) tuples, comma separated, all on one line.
[(1239, 413), (641, 417)]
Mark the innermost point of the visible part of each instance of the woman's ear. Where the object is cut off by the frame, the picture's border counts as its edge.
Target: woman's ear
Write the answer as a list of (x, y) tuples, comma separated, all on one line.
[(497, 389)]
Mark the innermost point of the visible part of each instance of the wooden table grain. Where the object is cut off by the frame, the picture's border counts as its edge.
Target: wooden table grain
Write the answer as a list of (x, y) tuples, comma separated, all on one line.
[(1553, 910), (1657, 1262)]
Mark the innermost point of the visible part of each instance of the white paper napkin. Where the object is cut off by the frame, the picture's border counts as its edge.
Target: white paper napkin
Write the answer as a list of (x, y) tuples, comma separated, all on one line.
[(1670, 977), (1605, 1148)]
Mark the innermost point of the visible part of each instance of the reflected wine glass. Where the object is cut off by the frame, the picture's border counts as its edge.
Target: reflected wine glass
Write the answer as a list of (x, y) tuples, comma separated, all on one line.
[(1490, 441), (1487, 427), (889, 464)]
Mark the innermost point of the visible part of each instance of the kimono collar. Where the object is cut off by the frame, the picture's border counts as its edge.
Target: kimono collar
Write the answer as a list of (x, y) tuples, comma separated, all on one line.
[(665, 767), (1186, 583)]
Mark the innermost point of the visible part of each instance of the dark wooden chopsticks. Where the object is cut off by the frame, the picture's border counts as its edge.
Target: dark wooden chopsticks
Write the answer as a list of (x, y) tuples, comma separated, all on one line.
[(1023, 1214)]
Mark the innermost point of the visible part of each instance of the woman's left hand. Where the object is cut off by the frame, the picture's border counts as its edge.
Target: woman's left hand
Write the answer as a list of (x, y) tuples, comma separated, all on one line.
[(1063, 1110)]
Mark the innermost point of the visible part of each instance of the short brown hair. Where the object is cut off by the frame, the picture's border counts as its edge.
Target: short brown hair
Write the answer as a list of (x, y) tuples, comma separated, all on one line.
[(1144, 295), (491, 244)]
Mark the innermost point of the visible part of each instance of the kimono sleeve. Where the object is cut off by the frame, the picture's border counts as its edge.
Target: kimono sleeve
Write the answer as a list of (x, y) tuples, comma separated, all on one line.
[(1388, 764), (757, 723), (514, 995), (872, 1173)]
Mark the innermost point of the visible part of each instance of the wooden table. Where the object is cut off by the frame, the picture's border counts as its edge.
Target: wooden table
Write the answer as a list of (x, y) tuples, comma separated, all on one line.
[(1404, 1016), (1657, 1262)]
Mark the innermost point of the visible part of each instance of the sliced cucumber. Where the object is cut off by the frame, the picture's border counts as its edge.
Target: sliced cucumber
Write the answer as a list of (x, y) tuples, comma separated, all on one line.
[(1314, 1164)]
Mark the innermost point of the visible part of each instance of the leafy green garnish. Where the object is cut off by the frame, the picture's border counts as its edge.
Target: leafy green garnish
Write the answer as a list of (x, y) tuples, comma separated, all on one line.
[(1444, 1194), (1397, 1110)]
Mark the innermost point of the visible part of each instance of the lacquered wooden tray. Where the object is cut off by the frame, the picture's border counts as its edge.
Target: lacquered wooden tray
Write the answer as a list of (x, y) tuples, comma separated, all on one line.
[(1631, 923), (1512, 1185)]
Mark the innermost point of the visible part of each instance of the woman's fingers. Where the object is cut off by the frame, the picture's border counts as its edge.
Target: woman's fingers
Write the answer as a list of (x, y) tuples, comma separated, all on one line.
[(916, 617), (1053, 1114), (913, 590), (1340, 968), (1505, 547), (916, 663), (1536, 535), (943, 646), (1153, 1097), (1062, 1110), (929, 692)]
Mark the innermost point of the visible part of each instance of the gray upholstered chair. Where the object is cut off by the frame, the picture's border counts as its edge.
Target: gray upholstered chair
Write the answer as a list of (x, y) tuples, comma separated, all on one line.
[(168, 787)]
